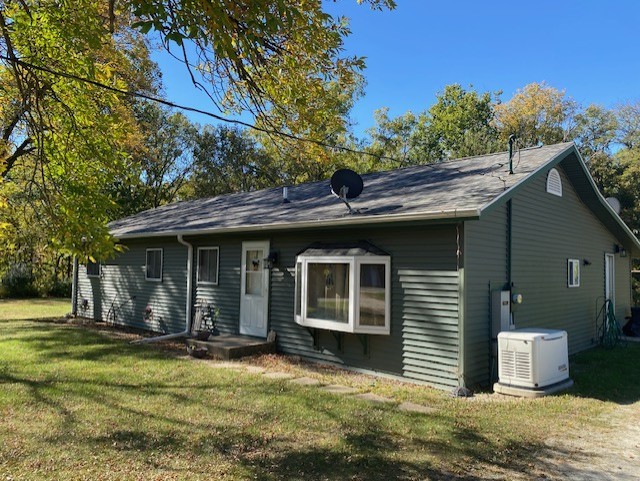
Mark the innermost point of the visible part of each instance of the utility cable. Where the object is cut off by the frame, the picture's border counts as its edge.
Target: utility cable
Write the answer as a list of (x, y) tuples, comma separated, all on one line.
[(168, 103), (221, 118)]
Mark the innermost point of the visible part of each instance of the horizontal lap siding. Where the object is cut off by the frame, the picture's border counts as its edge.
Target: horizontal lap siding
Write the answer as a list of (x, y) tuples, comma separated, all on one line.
[(226, 295), (124, 277), (485, 262), (384, 352), (547, 231), (423, 344)]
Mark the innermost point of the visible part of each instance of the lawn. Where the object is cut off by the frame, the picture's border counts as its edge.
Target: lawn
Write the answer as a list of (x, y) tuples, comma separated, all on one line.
[(13, 309), (80, 403)]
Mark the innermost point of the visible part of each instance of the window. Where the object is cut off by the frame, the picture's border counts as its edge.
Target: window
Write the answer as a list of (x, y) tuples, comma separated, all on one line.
[(573, 272), (93, 269), (153, 270), (208, 265), (348, 293)]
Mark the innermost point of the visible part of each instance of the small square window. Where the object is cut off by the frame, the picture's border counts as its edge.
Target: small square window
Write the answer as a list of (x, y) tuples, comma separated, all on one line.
[(573, 272), (93, 269), (153, 271), (208, 258)]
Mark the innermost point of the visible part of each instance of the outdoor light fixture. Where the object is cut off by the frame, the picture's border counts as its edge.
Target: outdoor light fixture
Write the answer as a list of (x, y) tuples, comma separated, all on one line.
[(618, 249), (586, 262), (271, 260)]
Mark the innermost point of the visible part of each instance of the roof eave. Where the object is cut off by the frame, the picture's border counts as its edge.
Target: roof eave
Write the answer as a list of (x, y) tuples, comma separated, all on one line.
[(510, 192), (461, 214), (571, 149), (634, 243)]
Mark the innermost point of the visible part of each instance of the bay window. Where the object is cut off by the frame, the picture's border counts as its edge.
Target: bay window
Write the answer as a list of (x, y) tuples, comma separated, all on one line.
[(348, 293)]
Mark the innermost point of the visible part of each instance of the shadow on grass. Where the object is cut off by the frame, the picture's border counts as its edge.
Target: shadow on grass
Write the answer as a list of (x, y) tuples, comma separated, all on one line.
[(607, 374), (359, 442)]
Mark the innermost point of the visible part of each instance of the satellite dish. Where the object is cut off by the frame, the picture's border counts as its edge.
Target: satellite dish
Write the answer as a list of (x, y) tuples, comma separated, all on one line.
[(347, 185), (614, 203)]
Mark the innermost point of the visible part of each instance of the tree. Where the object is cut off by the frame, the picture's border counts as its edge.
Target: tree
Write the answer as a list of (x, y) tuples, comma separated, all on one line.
[(280, 60), (595, 130), (459, 124), (537, 114), (167, 154), (628, 119), (225, 160), (66, 139), (392, 139)]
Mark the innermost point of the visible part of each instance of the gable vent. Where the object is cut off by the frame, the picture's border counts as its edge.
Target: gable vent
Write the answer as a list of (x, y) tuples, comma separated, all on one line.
[(554, 183)]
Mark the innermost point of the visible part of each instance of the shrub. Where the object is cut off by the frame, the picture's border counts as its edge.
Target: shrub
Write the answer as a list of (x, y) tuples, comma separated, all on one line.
[(18, 281), (61, 288)]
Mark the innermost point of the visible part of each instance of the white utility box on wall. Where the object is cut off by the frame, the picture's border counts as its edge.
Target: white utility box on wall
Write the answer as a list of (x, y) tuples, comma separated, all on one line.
[(532, 362), (501, 317)]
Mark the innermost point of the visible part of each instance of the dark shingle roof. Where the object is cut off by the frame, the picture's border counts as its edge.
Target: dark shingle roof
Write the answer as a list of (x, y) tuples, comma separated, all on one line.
[(455, 189)]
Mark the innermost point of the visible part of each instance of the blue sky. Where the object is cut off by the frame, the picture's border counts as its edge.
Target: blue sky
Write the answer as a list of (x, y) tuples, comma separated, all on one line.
[(591, 49)]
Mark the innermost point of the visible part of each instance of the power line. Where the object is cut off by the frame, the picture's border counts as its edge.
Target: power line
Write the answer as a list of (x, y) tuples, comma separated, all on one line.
[(168, 103), (220, 118)]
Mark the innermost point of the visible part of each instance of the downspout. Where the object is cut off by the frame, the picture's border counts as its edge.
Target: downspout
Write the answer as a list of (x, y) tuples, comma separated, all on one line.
[(74, 288), (512, 139), (187, 327)]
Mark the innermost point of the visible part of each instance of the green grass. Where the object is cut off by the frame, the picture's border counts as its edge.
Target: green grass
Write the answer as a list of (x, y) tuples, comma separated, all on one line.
[(14, 309), (78, 403)]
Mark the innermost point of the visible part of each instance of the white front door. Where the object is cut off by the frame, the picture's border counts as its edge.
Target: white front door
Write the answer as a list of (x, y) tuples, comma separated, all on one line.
[(254, 292), (609, 278)]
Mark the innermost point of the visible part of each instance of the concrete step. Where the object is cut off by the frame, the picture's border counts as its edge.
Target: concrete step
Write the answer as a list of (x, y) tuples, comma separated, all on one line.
[(230, 346)]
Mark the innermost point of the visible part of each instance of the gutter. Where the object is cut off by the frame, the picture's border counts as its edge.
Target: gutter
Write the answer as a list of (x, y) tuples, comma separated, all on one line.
[(187, 327), (347, 220)]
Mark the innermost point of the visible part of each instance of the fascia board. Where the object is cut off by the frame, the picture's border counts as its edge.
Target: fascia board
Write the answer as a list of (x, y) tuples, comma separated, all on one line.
[(345, 221)]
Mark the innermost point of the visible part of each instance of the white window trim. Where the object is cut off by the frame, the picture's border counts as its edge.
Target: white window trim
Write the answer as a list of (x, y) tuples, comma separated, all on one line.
[(386, 262), (353, 323), (570, 263), (94, 276), (146, 265), (208, 283)]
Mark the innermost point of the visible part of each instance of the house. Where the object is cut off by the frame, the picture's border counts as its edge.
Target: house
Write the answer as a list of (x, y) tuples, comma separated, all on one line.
[(404, 285)]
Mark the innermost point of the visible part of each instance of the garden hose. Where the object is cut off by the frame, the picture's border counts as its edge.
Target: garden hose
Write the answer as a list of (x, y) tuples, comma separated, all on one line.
[(610, 333)]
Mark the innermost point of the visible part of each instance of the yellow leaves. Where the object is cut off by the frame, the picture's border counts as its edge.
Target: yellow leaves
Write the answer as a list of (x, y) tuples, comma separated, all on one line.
[(536, 114)]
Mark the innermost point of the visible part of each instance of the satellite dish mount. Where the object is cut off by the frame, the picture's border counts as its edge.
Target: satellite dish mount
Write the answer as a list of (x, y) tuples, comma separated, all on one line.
[(346, 185)]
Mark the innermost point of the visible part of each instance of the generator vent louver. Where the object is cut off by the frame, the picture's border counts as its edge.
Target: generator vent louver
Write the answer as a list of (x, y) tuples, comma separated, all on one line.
[(516, 365)]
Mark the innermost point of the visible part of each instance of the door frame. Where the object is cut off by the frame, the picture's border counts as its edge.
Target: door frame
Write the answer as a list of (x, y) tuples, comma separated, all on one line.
[(266, 281), (610, 277)]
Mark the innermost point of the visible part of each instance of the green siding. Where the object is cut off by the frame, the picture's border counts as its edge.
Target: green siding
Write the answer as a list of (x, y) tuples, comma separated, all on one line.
[(423, 344), (124, 277), (486, 268), (226, 295), (547, 230), (424, 340)]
